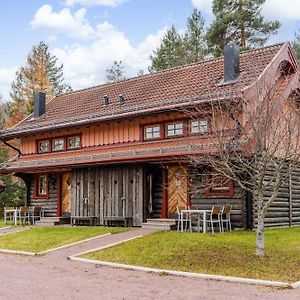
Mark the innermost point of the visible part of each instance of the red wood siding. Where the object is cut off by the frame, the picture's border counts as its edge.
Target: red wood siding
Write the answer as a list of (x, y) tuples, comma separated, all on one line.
[(123, 131)]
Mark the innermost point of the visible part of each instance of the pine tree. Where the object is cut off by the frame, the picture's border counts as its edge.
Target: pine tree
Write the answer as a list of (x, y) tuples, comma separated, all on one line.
[(176, 49), (194, 39), (115, 73), (240, 22), (40, 74), (170, 53), (296, 44)]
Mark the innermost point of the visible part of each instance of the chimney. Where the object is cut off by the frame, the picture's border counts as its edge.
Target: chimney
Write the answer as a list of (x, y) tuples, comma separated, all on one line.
[(106, 100), (231, 63), (39, 104), (121, 99)]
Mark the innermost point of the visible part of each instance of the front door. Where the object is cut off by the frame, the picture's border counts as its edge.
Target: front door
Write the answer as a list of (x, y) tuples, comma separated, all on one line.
[(66, 194), (177, 188)]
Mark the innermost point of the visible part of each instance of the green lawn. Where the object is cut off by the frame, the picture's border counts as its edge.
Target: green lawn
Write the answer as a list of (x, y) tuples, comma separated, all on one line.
[(2, 224), (44, 238), (231, 254)]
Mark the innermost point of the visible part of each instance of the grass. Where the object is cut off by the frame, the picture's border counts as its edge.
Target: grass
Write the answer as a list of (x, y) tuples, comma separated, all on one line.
[(231, 254), (45, 238), (2, 224)]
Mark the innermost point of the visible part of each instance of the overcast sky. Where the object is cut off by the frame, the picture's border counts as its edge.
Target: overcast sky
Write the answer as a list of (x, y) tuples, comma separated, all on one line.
[(88, 35)]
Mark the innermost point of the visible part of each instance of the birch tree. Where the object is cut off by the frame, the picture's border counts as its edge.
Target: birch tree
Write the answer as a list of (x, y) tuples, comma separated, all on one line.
[(255, 143)]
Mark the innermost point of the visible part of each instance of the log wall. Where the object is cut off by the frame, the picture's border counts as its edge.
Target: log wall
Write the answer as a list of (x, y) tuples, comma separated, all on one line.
[(285, 209), (49, 204), (99, 191), (201, 201)]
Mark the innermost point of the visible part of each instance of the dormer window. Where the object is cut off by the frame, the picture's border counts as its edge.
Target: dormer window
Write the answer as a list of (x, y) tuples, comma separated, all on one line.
[(73, 142), (44, 146), (58, 144)]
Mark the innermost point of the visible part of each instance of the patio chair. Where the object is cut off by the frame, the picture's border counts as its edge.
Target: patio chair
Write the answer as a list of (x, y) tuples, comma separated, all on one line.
[(225, 217), (9, 211), (35, 213), (214, 217), (186, 219), (24, 215)]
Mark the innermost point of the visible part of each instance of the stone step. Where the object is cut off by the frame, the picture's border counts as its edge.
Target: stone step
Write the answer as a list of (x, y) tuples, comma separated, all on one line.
[(52, 221), (162, 220), (159, 224)]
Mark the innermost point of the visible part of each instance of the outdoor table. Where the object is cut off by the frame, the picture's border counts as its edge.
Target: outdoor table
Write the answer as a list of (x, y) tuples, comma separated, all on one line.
[(197, 212)]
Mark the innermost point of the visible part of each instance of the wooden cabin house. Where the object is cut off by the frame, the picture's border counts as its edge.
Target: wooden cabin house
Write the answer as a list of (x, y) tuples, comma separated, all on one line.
[(120, 148)]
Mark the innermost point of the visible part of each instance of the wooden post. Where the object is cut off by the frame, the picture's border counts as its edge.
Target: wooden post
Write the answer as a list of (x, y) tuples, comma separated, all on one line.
[(164, 193), (59, 195)]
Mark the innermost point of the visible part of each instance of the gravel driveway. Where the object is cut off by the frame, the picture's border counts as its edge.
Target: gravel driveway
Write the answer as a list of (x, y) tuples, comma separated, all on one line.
[(54, 277)]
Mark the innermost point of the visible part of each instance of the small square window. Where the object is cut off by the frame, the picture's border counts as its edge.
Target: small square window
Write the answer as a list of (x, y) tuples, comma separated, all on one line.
[(175, 129), (200, 126), (43, 146), (42, 185), (152, 132), (219, 183), (73, 142), (58, 144)]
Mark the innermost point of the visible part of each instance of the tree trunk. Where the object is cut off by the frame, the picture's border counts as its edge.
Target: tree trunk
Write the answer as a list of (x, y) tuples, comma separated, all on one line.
[(260, 236)]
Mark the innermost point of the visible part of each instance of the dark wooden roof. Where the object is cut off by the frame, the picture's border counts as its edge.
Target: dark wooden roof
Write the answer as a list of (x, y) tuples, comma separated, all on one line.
[(165, 90)]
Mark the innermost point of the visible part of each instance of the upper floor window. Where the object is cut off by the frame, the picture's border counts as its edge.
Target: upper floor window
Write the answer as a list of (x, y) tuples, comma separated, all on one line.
[(152, 132), (199, 126), (175, 129), (43, 146), (73, 142), (58, 144)]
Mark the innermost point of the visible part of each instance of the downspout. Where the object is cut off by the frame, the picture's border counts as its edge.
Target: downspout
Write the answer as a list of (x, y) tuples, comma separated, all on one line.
[(12, 147)]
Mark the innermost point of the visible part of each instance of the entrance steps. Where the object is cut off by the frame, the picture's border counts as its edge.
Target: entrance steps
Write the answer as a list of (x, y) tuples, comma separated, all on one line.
[(52, 221), (160, 224)]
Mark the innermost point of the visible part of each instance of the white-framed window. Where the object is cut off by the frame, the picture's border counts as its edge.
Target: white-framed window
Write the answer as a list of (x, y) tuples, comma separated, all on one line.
[(58, 144), (44, 146), (42, 185), (199, 126), (175, 129), (152, 132), (73, 142)]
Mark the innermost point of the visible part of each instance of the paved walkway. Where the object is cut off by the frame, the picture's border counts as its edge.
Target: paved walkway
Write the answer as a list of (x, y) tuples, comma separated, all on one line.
[(54, 277), (4, 231)]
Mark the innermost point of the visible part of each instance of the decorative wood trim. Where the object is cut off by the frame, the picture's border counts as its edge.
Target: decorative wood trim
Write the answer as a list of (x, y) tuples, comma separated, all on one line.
[(164, 208)]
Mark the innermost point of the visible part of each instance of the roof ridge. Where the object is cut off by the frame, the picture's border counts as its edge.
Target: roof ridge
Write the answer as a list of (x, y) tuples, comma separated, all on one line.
[(168, 70)]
